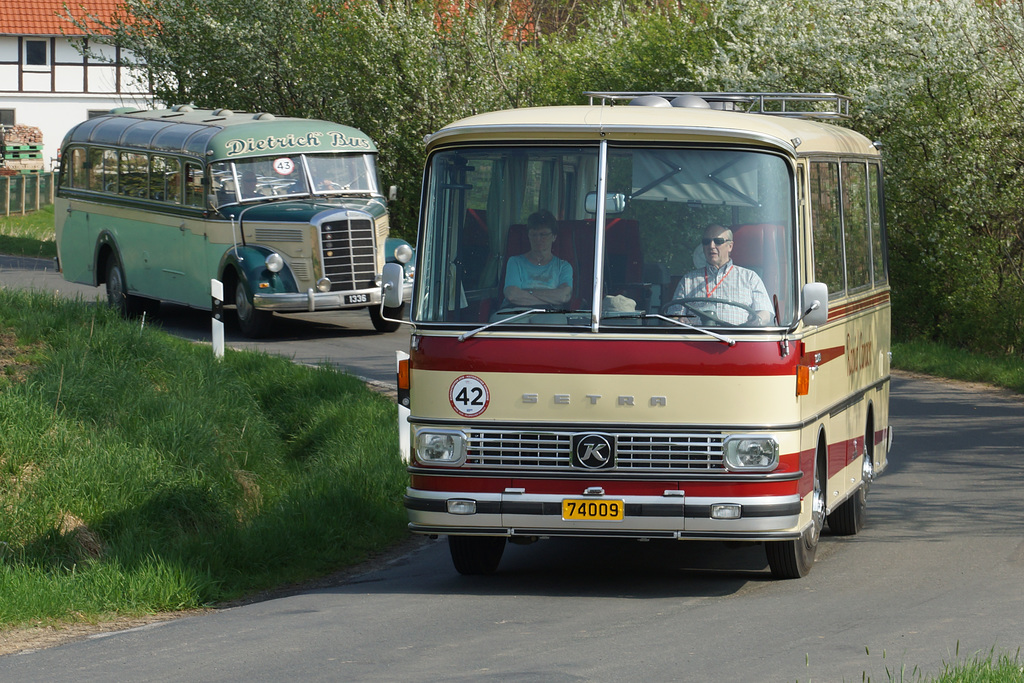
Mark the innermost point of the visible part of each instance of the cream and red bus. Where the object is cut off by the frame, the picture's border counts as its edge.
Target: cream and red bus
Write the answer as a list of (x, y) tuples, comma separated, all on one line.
[(286, 212), (637, 407)]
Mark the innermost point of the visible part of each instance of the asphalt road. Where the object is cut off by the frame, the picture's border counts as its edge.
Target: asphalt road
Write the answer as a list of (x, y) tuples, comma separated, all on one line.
[(939, 570), (345, 340)]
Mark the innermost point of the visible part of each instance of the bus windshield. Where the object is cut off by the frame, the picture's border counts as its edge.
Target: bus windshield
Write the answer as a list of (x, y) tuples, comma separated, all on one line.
[(695, 235), (258, 178)]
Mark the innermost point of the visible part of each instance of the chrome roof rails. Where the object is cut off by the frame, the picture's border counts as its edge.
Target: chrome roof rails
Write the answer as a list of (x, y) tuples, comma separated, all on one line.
[(794, 105)]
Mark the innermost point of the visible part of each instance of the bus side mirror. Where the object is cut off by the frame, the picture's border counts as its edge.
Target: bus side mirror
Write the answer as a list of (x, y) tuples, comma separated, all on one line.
[(393, 193), (392, 280), (613, 202), (814, 303)]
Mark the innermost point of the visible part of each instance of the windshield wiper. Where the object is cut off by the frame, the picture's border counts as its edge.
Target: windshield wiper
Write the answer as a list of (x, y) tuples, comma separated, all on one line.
[(521, 314), (657, 316)]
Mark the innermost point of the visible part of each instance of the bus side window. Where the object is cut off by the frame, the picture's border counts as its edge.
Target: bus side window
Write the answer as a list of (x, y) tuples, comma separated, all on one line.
[(827, 226), (194, 185)]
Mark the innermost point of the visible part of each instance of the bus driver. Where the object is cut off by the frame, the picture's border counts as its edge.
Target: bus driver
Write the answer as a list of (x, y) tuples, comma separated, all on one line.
[(723, 280)]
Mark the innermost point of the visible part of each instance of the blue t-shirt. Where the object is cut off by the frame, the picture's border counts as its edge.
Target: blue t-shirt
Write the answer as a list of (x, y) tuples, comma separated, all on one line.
[(522, 274)]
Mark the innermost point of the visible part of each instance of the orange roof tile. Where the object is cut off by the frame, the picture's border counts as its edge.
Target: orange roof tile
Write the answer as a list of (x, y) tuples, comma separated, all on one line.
[(48, 18)]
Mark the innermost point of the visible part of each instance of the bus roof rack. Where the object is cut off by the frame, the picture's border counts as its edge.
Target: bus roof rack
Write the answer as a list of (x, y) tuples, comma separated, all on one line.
[(794, 105)]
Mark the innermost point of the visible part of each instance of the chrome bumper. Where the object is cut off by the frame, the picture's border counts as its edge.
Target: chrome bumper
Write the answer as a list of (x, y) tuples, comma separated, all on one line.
[(316, 301), (674, 517)]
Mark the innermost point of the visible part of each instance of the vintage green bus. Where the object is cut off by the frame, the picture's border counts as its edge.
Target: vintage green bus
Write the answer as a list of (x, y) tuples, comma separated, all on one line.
[(287, 213)]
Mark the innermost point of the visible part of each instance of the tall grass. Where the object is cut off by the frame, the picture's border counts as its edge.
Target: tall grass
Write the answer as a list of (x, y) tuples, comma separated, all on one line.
[(139, 474), (29, 235)]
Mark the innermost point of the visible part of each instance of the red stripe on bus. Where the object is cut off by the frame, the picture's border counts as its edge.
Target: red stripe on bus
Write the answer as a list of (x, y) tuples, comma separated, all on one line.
[(851, 307), (603, 357)]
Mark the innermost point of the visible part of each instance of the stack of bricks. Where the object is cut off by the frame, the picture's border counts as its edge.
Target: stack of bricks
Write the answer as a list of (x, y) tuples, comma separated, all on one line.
[(21, 149)]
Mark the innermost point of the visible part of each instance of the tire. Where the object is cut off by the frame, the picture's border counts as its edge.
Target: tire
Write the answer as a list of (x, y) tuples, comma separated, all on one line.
[(117, 290), (382, 325), (252, 322), (476, 555), (848, 518), (794, 559)]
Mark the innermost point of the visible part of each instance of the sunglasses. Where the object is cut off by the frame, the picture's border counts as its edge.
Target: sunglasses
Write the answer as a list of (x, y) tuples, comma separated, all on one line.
[(719, 241)]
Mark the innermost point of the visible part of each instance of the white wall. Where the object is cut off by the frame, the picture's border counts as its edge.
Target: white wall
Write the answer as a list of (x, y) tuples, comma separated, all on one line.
[(54, 115)]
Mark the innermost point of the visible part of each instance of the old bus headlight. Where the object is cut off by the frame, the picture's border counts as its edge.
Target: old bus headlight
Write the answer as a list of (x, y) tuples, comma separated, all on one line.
[(441, 446), (274, 262), (751, 453), (323, 284)]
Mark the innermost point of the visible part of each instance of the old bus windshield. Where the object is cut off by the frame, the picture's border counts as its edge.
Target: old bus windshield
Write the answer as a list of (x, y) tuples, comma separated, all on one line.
[(257, 178), (489, 255)]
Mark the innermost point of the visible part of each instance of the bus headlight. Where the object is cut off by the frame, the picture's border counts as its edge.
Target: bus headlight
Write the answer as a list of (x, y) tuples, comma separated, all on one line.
[(441, 446), (751, 453), (323, 284), (274, 262)]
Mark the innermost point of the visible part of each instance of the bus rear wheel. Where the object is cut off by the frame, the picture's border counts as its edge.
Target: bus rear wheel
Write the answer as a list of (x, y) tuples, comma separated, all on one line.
[(848, 518), (474, 555), (794, 559), (117, 290), (254, 323)]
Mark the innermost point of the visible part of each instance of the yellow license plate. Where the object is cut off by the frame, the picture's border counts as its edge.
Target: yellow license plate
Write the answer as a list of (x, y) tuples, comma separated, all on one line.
[(592, 510)]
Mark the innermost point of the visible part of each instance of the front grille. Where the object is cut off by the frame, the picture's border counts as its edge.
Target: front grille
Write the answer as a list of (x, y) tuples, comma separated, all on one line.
[(347, 252), (634, 452)]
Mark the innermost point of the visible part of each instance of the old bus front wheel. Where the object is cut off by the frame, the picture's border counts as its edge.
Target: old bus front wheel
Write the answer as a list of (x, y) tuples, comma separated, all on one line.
[(794, 559), (253, 322), (476, 554), (379, 322)]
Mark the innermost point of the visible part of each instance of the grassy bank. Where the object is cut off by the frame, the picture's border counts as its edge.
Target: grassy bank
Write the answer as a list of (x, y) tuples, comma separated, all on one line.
[(139, 474), (930, 358), (28, 235)]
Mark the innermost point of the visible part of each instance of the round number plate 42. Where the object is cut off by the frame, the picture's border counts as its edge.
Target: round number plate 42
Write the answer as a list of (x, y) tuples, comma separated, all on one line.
[(469, 396)]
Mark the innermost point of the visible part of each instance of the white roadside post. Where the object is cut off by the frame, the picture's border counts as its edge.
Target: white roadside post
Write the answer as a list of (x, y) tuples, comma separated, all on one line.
[(404, 445), (217, 292)]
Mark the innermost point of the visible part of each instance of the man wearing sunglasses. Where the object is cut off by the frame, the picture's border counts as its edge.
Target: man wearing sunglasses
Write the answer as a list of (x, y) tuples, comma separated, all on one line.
[(721, 291)]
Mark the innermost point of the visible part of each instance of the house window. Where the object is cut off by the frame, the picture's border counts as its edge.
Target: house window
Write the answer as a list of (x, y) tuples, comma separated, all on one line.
[(6, 117), (36, 53)]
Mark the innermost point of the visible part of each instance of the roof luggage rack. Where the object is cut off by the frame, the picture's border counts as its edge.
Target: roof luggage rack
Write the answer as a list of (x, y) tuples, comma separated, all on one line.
[(794, 105)]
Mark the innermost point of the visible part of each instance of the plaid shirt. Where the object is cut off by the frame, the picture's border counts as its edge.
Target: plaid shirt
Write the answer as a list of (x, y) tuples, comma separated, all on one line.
[(731, 283)]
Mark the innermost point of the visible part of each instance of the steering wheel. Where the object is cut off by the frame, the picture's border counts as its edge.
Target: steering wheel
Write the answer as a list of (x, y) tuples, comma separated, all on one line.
[(690, 305)]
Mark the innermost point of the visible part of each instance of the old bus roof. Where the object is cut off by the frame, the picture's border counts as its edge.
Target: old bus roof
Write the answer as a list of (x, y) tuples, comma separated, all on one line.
[(625, 122), (217, 134)]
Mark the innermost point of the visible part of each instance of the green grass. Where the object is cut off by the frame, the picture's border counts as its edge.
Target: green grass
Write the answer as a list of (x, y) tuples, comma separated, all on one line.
[(981, 668), (934, 359), (29, 235), (139, 474)]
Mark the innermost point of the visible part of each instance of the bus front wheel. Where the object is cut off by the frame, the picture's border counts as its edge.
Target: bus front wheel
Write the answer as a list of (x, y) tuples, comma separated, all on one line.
[(794, 559), (380, 323), (254, 323), (476, 554)]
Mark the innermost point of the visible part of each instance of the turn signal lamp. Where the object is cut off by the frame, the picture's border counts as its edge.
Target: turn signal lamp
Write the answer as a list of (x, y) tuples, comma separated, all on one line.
[(803, 380)]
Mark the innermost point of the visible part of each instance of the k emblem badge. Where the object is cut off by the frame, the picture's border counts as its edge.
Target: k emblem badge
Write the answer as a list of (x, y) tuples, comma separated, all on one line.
[(592, 451)]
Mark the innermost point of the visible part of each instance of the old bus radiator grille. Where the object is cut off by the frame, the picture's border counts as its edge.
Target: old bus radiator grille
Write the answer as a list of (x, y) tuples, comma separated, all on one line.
[(635, 452), (347, 250)]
